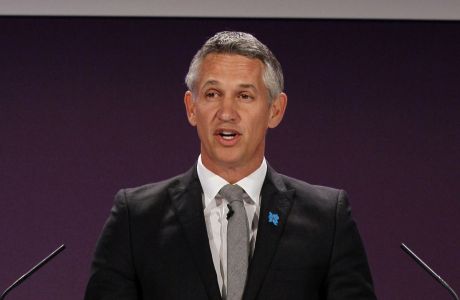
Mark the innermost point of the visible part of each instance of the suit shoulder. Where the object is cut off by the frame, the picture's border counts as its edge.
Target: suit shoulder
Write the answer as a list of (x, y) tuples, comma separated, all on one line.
[(318, 194), (148, 196), (150, 189)]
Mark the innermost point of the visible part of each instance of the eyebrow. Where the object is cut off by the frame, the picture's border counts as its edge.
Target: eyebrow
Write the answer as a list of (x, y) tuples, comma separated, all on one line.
[(210, 82), (242, 85), (248, 86)]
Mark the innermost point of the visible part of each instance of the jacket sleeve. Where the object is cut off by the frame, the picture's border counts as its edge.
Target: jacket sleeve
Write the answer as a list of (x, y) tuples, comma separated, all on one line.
[(112, 272), (349, 277)]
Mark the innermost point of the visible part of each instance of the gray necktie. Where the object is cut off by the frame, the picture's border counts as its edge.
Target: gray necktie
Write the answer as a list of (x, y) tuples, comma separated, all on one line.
[(237, 242)]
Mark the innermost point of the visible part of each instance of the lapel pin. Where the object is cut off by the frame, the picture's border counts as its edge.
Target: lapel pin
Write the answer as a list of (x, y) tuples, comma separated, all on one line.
[(273, 218)]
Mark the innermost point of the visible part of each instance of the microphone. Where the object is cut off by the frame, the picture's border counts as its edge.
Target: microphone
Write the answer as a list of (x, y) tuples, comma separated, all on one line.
[(230, 211), (31, 271), (429, 270)]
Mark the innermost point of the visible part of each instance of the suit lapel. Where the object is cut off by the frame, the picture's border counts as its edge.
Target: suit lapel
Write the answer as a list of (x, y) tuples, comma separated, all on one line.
[(187, 200), (276, 202)]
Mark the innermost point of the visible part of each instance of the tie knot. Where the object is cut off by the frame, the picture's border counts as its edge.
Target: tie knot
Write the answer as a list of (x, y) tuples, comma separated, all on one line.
[(232, 193)]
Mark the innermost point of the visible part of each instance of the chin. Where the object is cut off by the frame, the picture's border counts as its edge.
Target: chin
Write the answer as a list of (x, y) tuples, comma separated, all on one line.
[(227, 158)]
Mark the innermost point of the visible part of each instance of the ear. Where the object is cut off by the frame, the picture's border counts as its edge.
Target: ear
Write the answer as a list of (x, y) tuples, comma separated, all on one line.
[(190, 108), (277, 109)]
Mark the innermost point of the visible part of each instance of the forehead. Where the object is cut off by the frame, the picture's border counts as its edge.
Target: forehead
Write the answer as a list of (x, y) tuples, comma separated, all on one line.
[(231, 66)]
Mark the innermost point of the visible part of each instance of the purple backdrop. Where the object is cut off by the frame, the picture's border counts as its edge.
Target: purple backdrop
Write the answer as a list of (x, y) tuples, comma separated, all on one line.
[(90, 105)]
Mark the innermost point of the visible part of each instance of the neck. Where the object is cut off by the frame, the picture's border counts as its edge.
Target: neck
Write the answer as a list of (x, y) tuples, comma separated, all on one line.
[(232, 173)]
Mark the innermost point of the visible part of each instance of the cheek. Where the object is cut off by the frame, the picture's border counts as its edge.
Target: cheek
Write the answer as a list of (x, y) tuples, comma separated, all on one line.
[(204, 114), (258, 128), (203, 126)]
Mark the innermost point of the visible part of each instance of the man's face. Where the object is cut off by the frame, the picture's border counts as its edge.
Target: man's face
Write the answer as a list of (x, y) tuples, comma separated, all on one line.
[(232, 112)]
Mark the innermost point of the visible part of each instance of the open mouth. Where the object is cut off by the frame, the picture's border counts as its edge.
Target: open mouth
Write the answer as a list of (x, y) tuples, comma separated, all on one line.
[(228, 134)]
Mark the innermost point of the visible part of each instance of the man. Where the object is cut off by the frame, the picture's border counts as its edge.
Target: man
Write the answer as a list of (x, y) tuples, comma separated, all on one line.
[(231, 227)]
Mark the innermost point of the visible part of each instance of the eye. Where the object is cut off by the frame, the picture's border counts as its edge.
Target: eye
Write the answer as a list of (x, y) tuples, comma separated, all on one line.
[(246, 97), (211, 94)]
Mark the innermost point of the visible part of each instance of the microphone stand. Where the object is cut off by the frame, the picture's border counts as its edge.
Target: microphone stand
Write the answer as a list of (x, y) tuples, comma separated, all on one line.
[(429, 270), (31, 271)]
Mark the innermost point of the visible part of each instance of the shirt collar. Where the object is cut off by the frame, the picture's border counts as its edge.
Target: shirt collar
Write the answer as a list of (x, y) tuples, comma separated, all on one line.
[(212, 183)]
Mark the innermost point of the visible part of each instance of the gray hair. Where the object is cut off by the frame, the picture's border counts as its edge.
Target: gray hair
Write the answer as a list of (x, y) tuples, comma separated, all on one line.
[(245, 44)]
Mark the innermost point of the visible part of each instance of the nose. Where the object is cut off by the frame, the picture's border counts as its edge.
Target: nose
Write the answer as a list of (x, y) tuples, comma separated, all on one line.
[(228, 110)]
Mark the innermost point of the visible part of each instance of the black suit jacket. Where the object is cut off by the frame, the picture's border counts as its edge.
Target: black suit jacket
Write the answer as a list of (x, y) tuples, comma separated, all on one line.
[(155, 245)]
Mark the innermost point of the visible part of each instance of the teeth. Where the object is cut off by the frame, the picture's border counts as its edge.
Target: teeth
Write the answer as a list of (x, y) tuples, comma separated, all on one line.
[(227, 133)]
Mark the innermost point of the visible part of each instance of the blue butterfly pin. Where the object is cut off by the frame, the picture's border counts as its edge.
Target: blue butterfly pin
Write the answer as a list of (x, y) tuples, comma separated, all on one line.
[(273, 218)]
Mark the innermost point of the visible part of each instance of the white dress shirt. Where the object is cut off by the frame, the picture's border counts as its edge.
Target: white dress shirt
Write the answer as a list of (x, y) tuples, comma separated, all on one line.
[(215, 213)]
